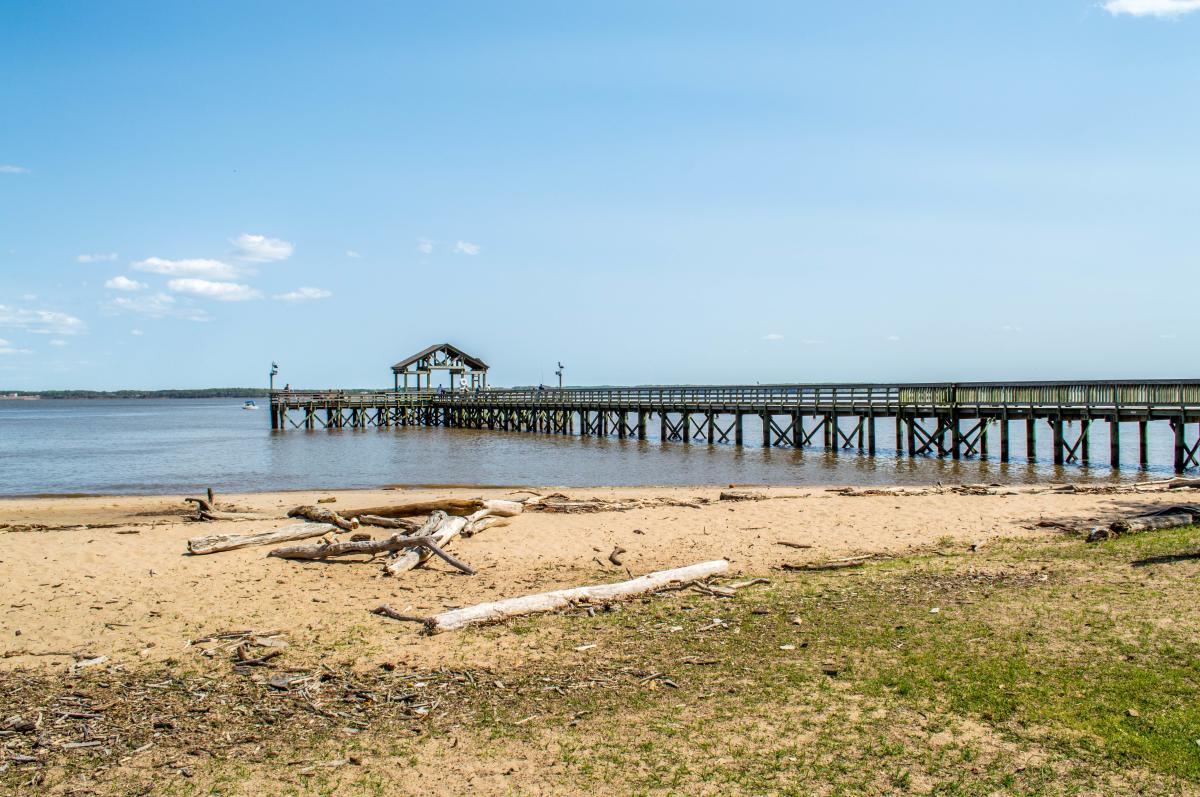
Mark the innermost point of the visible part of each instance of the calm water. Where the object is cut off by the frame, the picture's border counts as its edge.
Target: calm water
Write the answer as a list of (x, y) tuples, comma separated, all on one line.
[(171, 446)]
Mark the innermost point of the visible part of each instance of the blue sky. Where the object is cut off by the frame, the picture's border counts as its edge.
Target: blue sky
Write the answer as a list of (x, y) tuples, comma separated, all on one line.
[(650, 192)]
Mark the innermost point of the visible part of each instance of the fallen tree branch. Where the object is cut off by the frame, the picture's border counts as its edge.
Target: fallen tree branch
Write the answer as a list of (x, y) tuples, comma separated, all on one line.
[(407, 524), (349, 548), (320, 514), (383, 610), (451, 506), (1138, 524), (550, 601), (229, 542)]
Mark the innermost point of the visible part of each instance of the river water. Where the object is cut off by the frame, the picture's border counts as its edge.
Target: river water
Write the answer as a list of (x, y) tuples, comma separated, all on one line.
[(172, 446)]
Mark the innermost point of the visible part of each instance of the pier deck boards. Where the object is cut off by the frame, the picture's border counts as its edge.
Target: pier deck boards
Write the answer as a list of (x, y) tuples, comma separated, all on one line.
[(939, 419)]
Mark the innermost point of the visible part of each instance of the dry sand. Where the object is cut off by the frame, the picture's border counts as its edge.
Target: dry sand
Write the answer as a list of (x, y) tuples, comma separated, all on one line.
[(109, 575)]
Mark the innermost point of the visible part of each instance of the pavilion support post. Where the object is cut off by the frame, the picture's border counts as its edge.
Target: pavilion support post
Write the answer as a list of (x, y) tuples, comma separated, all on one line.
[(641, 422), (737, 429), (1114, 441), (1057, 423), (1031, 438), (1143, 444)]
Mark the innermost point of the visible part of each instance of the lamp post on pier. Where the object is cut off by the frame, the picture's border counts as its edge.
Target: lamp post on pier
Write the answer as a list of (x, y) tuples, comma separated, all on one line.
[(274, 370)]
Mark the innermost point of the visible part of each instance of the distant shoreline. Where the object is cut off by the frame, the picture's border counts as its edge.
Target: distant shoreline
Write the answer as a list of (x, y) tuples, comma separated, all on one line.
[(215, 392)]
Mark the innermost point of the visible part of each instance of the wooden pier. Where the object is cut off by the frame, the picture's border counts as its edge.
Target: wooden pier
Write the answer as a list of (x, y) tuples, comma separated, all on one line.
[(937, 419)]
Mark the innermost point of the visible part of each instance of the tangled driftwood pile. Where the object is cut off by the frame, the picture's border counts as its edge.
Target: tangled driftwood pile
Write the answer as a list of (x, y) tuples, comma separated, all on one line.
[(414, 542)]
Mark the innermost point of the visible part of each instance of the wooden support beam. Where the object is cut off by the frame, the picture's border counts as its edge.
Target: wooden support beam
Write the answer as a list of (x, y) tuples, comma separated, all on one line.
[(1085, 440), (662, 426), (1114, 441), (641, 422), (1143, 445), (797, 429), (955, 435), (1180, 427), (871, 434), (1057, 424), (766, 429), (912, 435), (1031, 438), (1004, 430), (737, 429)]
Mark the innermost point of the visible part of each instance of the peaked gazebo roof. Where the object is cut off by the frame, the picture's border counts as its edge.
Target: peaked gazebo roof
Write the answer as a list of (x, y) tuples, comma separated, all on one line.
[(452, 352)]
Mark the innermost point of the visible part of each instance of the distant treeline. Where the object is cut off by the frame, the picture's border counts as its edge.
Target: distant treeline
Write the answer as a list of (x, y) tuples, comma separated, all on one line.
[(210, 392)]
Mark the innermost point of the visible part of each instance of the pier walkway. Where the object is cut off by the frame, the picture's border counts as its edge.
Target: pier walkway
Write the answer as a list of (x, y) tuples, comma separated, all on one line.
[(939, 419)]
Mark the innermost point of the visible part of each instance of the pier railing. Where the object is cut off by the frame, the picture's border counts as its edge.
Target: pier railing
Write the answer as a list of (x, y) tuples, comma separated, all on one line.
[(881, 398)]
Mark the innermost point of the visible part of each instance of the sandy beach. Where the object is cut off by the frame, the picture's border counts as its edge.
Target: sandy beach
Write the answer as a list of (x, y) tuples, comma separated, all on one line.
[(109, 576)]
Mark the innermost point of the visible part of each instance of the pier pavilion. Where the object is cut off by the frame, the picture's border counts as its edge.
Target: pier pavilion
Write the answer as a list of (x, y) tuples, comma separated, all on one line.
[(442, 357)]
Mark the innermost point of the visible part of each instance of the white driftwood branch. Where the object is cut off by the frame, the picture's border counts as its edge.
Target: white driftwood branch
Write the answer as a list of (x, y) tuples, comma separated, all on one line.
[(441, 528), (228, 542), (550, 601)]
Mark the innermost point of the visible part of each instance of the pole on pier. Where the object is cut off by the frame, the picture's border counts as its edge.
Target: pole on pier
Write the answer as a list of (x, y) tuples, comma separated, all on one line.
[(912, 436), (685, 426), (621, 423), (797, 429), (274, 414), (662, 426), (1031, 438), (871, 433), (1085, 440), (983, 438), (737, 428), (641, 424), (899, 434), (766, 425), (1114, 441), (712, 434), (1143, 445)]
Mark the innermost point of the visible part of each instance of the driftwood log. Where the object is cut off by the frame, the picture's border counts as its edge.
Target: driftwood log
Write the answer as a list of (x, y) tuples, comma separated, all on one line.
[(559, 599), (229, 542), (441, 528), (451, 506), (370, 547), (319, 514), (1138, 524), (408, 524), (474, 527)]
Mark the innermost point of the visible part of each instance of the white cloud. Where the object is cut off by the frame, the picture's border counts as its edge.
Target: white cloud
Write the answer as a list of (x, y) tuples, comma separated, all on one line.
[(8, 348), (261, 249), (352, 253), (772, 336), (425, 246), (123, 283), (303, 294), (465, 248), (41, 322), (221, 291), (96, 258), (893, 338), (1009, 328), (8, 168), (192, 267), (158, 305), (1152, 8), (136, 332), (58, 342), (29, 297)]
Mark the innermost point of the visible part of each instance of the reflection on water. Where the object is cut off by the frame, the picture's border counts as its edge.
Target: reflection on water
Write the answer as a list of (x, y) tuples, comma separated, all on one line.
[(170, 446)]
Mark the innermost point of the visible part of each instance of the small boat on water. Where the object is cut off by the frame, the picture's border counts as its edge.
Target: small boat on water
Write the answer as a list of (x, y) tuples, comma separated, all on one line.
[(249, 405)]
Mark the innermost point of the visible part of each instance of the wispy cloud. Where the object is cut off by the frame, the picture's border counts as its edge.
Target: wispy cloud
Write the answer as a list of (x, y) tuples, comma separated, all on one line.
[(41, 322), (1152, 8), (197, 267), (772, 336), (157, 305), (123, 283), (137, 333), (8, 348), (58, 342), (465, 248), (352, 253), (96, 258), (261, 249), (425, 246), (8, 168), (893, 338), (303, 295), (221, 291)]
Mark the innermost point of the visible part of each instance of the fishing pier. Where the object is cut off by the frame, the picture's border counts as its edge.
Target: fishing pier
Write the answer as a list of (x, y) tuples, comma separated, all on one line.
[(956, 420)]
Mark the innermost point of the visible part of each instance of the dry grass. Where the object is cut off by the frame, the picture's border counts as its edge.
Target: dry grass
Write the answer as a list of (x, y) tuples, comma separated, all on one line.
[(1050, 667)]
